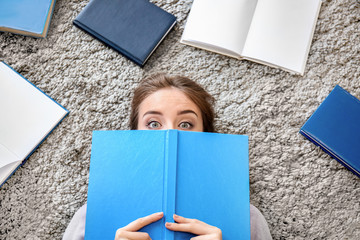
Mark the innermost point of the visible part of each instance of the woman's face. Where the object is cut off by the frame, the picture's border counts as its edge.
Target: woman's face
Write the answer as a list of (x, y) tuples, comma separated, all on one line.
[(169, 108)]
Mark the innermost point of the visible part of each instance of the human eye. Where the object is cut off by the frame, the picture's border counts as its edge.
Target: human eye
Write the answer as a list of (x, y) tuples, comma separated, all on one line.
[(185, 125), (153, 125)]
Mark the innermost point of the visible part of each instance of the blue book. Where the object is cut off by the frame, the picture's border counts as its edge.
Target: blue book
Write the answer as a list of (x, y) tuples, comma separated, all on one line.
[(335, 127), (134, 28), (28, 116), (26, 17), (197, 175)]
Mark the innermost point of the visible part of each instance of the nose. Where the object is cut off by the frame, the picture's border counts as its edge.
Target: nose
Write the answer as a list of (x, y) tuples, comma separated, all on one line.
[(170, 126)]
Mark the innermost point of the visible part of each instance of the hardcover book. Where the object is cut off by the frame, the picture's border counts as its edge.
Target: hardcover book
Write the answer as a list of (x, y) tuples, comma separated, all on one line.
[(26, 17), (277, 33), (27, 117), (134, 28), (335, 127), (197, 175)]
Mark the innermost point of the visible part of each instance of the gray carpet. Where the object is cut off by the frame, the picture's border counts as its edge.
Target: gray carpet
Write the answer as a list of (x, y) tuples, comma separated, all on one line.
[(302, 192)]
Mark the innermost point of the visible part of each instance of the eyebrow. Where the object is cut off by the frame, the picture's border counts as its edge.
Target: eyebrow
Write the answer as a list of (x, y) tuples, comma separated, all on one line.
[(152, 112), (187, 111), (179, 113)]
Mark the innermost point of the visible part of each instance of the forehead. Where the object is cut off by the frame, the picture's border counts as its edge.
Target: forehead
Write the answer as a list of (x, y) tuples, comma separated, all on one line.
[(168, 97)]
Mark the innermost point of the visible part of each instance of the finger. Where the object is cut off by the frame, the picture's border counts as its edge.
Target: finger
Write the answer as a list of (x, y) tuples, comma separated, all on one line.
[(192, 226), (142, 222), (180, 219), (202, 237), (186, 227), (121, 234)]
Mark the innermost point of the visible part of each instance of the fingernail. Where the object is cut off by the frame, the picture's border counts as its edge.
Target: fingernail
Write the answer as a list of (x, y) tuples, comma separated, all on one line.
[(159, 213), (175, 216), (168, 224)]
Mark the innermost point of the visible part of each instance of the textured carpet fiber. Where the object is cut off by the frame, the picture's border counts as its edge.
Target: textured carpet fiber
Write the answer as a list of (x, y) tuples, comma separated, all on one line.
[(302, 192)]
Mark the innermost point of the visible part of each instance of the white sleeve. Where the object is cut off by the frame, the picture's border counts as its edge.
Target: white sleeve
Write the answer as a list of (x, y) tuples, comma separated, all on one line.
[(259, 227), (76, 228)]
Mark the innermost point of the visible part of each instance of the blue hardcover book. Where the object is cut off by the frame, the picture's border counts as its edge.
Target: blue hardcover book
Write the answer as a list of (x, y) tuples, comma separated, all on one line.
[(28, 116), (132, 27), (26, 17), (197, 175), (335, 127)]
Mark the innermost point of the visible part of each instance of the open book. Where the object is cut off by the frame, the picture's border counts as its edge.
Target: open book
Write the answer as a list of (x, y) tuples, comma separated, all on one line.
[(198, 175), (277, 33), (27, 116)]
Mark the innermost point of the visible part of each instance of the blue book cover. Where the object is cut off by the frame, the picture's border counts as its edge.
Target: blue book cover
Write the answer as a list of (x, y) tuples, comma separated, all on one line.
[(132, 27), (26, 17), (198, 175), (335, 127)]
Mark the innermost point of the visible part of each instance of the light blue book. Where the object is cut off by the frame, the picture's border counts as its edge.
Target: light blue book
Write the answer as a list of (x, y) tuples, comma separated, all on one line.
[(26, 17), (198, 175), (335, 127)]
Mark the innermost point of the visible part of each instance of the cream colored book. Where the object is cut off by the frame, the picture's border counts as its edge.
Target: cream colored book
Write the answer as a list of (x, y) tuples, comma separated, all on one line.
[(28, 116), (277, 33)]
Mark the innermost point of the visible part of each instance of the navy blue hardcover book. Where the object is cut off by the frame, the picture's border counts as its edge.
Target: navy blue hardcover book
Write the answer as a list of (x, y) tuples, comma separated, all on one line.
[(132, 27), (134, 173), (335, 127)]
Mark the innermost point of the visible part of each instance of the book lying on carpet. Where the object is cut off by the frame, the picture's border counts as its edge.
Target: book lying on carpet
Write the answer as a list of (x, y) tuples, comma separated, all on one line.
[(277, 33), (27, 117), (134, 28), (335, 127), (198, 175), (26, 17)]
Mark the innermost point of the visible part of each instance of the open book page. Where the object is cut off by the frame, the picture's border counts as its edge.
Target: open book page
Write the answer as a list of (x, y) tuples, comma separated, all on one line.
[(281, 33), (27, 114), (219, 26), (7, 157), (7, 170)]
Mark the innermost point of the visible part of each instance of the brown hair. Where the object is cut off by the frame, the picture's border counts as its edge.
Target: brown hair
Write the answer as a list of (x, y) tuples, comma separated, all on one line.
[(191, 89)]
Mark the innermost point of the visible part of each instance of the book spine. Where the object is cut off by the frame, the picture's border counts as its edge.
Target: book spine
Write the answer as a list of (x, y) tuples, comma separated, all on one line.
[(330, 152), (108, 43), (170, 166)]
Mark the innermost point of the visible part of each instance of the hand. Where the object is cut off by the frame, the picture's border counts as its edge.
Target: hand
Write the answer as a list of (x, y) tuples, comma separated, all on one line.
[(130, 231), (203, 230)]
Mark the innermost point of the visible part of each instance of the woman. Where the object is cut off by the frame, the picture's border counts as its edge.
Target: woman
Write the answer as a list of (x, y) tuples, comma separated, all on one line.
[(170, 102)]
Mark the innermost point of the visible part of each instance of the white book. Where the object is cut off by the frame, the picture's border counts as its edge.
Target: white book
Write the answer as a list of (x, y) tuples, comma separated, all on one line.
[(27, 117), (277, 33)]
